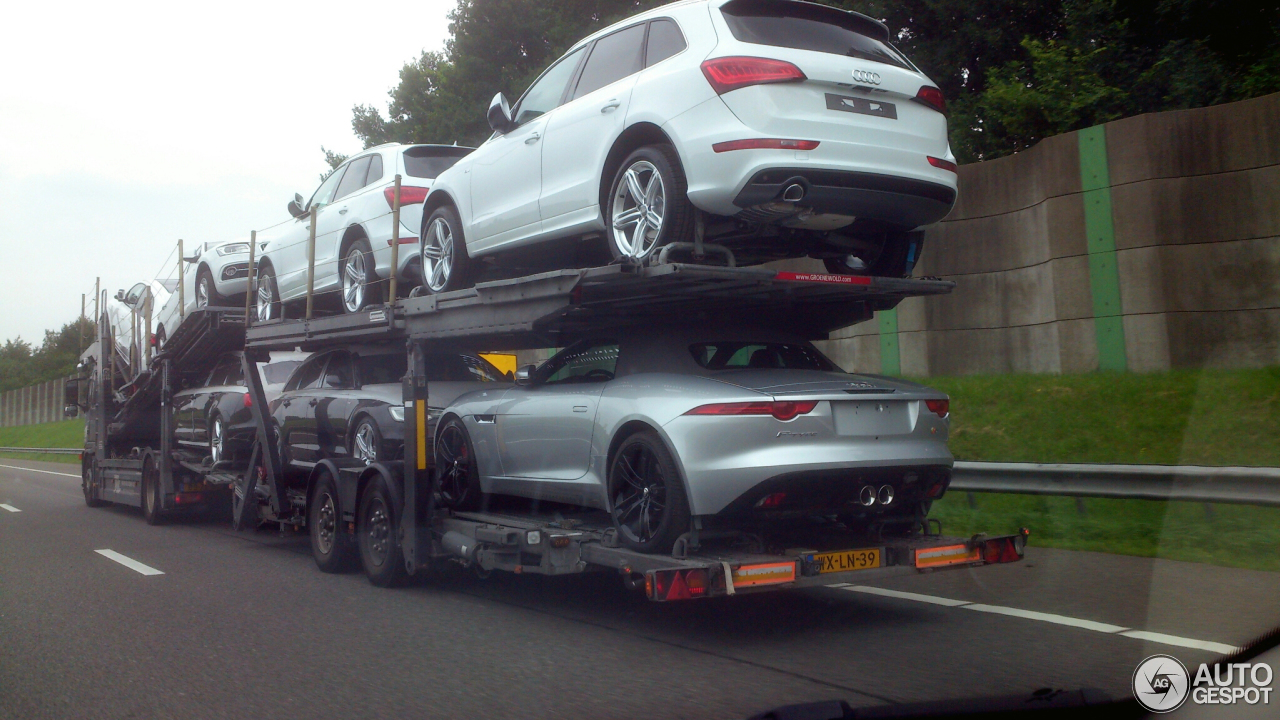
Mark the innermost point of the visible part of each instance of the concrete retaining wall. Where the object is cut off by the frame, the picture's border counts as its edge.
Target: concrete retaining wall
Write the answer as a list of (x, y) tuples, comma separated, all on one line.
[(1144, 244), (32, 405)]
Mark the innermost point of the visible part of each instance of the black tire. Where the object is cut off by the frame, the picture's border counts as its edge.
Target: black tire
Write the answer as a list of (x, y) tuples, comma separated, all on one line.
[(366, 441), (332, 548), (267, 301), (377, 536), (457, 472), (87, 467), (151, 501), (677, 213), (891, 261), (358, 278), (645, 489), (443, 228), (206, 291)]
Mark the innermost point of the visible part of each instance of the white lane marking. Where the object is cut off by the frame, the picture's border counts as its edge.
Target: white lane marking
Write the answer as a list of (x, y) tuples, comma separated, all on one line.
[(1047, 617), (46, 472), (129, 562), (1180, 641), (907, 595), (1215, 647), (10, 508)]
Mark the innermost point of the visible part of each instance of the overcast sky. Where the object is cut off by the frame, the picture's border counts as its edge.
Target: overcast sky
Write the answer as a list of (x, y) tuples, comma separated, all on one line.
[(125, 126)]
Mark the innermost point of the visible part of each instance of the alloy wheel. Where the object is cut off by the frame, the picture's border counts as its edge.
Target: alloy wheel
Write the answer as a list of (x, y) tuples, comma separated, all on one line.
[(640, 497), (202, 293), (328, 525), (638, 211), (454, 460), (437, 255), (366, 444), (266, 299), (217, 446), (354, 278)]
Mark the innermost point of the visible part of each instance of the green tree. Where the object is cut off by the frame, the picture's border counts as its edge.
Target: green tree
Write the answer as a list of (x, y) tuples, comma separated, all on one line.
[(21, 365)]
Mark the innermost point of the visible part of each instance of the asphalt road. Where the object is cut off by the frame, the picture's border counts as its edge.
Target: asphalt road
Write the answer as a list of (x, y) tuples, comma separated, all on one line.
[(244, 625)]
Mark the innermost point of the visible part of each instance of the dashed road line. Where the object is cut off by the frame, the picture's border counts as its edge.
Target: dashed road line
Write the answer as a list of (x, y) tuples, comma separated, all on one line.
[(46, 472), (1215, 647), (129, 562), (10, 508)]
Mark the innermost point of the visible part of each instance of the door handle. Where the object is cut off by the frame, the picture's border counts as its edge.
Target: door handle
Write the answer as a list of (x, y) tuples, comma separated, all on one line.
[(579, 408), (343, 211), (314, 402), (611, 105), (533, 138)]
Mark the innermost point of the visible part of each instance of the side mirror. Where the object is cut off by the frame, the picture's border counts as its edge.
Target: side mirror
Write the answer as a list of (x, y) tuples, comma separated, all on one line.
[(193, 257), (295, 206), (500, 114), (71, 411), (71, 396), (120, 295), (524, 375)]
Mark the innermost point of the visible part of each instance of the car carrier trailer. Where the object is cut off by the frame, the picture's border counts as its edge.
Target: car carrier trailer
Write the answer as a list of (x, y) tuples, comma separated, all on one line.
[(409, 533)]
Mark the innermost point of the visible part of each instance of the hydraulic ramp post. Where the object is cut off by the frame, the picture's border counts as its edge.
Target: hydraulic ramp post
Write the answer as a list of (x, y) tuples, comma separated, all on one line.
[(419, 466), (265, 454)]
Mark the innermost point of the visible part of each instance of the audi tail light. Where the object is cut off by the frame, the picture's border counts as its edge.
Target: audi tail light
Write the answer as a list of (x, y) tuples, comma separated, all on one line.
[(731, 73), (408, 195), (932, 97), (764, 143), (248, 400), (941, 408), (944, 164), (782, 410)]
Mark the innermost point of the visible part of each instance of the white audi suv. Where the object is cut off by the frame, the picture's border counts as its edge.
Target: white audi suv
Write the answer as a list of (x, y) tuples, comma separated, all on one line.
[(214, 274), (770, 128), (353, 207)]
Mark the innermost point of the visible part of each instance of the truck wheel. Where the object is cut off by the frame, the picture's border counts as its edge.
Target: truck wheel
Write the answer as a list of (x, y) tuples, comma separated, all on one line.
[(377, 535), (360, 287), (647, 499), (445, 263), (87, 467), (268, 300), (206, 291), (458, 474), (151, 502), (330, 546), (647, 206)]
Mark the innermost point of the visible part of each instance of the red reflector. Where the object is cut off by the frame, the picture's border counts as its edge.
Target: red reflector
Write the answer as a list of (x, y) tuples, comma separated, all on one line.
[(940, 407), (187, 498), (403, 240), (408, 195), (944, 164), (934, 490), (932, 97), (771, 501), (679, 589), (783, 410), (1003, 550), (248, 400), (731, 73), (764, 143)]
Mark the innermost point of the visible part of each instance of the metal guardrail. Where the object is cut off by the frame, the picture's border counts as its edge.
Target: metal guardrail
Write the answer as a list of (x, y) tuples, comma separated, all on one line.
[(43, 451), (1190, 483)]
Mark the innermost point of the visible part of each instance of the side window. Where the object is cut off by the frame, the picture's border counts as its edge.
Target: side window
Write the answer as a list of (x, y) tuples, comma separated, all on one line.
[(482, 370), (134, 296), (235, 371), (665, 40), (545, 93), (324, 194), (307, 375), (225, 372), (587, 363), (613, 58), (337, 376), (354, 179), (375, 171)]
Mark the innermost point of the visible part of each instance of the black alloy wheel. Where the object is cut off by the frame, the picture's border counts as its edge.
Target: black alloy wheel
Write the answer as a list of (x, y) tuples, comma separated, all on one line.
[(457, 473), (647, 498)]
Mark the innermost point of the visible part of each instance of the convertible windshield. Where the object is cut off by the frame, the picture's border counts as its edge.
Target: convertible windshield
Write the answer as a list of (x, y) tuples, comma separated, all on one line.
[(763, 356)]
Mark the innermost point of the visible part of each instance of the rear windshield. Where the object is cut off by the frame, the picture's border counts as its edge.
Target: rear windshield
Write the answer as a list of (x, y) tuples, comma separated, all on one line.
[(805, 26), (429, 162), (759, 356)]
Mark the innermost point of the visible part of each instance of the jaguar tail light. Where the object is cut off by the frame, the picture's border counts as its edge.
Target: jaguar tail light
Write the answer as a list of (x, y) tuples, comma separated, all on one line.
[(731, 73), (941, 408), (408, 195), (782, 410)]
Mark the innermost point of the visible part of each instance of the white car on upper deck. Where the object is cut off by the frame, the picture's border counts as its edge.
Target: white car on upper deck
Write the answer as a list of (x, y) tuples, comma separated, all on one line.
[(795, 129)]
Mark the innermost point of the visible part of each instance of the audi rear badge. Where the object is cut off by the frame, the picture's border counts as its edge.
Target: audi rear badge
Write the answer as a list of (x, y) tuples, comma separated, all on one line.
[(866, 77)]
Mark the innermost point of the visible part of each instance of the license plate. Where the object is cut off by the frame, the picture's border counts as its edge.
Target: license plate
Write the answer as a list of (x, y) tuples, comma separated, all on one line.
[(946, 555), (847, 560), (862, 106)]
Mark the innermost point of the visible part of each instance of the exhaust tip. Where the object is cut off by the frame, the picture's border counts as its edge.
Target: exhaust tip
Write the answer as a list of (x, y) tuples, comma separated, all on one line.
[(867, 496), (885, 496), (793, 193)]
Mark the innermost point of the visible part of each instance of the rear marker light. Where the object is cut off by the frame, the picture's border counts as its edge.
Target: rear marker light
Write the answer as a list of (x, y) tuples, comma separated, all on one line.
[(248, 400), (408, 195), (944, 164), (665, 585), (932, 97), (941, 408), (764, 143), (730, 73), (782, 410), (773, 500)]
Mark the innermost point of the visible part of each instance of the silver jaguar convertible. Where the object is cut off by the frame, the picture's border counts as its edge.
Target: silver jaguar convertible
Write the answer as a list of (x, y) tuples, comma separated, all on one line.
[(662, 426)]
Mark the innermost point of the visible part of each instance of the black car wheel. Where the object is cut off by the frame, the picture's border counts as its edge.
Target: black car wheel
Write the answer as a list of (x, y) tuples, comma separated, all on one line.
[(457, 473), (376, 533), (647, 499), (330, 546)]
